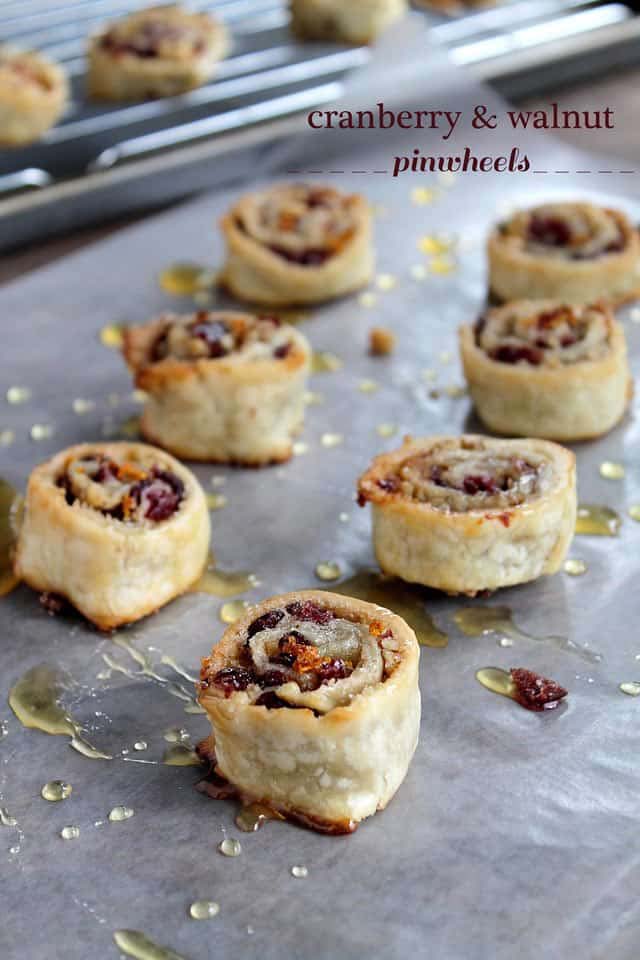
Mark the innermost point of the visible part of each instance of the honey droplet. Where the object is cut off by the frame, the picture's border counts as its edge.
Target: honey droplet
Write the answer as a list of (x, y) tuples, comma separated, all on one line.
[(4, 729), (455, 390), (204, 909), (130, 428), (254, 815), (216, 501), (419, 271), (6, 438), (367, 299), (120, 813), (300, 448), (139, 396), (313, 399), (386, 429), (594, 520), (183, 279), (232, 611), (420, 196), (631, 688), (634, 512), (41, 431), (344, 517), (442, 265), (217, 480), (56, 790), (137, 945), (430, 375), (497, 680), (112, 336), (328, 571), (16, 395), (230, 847), (611, 471), (299, 872), (81, 406), (140, 745), (6, 820), (331, 439), (435, 246), (575, 568), (176, 735), (405, 600), (324, 362), (10, 503), (181, 755), (70, 833), (386, 281), (444, 356), (368, 386)]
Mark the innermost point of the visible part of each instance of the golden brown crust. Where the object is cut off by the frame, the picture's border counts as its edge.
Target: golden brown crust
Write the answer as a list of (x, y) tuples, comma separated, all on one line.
[(355, 22), (33, 96)]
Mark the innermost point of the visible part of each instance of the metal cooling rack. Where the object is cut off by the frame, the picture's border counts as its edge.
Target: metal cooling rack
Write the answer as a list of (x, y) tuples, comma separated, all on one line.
[(520, 46)]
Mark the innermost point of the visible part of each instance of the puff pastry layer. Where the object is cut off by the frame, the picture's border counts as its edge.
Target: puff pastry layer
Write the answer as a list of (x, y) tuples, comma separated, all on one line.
[(297, 244), (547, 369), (465, 514), (315, 706), (358, 21), (158, 52), (223, 387), (119, 529), (33, 96), (576, 252)]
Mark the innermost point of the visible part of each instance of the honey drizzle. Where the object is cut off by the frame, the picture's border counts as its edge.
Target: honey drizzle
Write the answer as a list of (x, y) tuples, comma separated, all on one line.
[(223, 583), (401, 598), (498, 621), (597, 521), (137, 945), (253, 816)]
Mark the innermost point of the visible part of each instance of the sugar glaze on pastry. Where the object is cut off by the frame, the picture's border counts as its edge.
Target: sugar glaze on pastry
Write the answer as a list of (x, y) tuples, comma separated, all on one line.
[(356, 21), (315, 706), (547, 369), (297, 244), (33, 96), (157, 52), (471, 513), (575, 252), (118, 529), (222, 386)]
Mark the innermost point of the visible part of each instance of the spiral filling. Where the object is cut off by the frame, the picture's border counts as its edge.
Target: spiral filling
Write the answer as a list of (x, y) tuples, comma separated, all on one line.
[(156, 36), (567, 231), (304, 655), (130, 491), (302, 224), (210, 336), (17, 71), (554, 336)]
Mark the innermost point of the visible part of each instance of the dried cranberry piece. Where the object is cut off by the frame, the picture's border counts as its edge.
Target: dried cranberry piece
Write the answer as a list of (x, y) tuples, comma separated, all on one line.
[(53, 603), (480, 483), (332, 670), (568, 340), (308, 610), (508, 353), (435, 475), (231, 679), (535, 692), (308, 258), (272, 678), (388, 484), (480, 324), (212, 332), (282, 351), (267, 621), (286, 656), (549, 231), (108, 470), (270, 700), (162, 493)]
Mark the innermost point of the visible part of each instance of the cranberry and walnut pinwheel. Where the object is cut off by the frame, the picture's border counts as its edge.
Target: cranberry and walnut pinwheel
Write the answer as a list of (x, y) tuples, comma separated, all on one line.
[(222, 386), (33, 96), (466, 514), (157, 52), (118, 529), (575, 252), (358, 21), (547, 369), (315, 707), (297, 244)]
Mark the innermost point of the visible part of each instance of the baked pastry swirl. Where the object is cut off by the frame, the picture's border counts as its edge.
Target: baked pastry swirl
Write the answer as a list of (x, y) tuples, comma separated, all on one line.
[(465, 514), (358, 21), (118, 529), (297, 244), (576, 252), (222, 386), (547, 369), (157, 52), (315, 707), (33, 96)]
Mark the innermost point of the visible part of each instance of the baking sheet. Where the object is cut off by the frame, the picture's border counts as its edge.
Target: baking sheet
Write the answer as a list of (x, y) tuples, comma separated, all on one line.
[(514, 834)]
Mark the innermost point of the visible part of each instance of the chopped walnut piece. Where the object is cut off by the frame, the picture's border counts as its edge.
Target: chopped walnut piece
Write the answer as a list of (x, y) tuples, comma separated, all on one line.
[(535, 692), (382, 341)]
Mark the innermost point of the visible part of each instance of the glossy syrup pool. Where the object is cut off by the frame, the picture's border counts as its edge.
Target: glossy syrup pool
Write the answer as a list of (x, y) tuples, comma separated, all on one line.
[(136, 944), (224, 583), (254, 816), (56, 790), (9, 507), (597, 521), (184, 279), (497, 680), (403, 599)]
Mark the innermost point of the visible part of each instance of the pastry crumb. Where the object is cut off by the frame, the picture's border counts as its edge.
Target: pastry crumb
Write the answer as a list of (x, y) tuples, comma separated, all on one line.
[(382, 341)]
